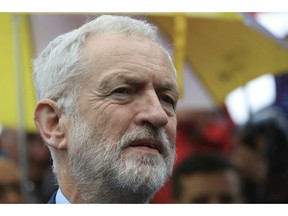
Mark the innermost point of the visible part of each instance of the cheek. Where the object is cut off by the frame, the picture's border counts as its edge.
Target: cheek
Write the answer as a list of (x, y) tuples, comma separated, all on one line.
[(171, 130), (121, 118), (97, 114), (114, 119)]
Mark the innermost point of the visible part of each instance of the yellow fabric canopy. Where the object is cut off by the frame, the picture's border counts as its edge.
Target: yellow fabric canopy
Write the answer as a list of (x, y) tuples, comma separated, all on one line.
[(15, 59), (224, 52)]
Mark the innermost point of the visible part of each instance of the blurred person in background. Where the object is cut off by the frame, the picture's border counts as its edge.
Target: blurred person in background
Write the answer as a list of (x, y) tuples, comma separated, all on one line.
[(41, 180), (9, 144), (206, 178), (261, 155), (262, 158), (10, 181)]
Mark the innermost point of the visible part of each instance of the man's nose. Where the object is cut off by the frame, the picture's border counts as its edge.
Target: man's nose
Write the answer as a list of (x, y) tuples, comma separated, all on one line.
[(151, 111)]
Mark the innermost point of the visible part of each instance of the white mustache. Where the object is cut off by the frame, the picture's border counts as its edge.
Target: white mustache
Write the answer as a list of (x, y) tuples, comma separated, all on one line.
[(147, 133)]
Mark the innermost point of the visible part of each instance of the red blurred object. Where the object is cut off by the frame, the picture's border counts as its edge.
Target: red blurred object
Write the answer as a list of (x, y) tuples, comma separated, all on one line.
[(198, 132)]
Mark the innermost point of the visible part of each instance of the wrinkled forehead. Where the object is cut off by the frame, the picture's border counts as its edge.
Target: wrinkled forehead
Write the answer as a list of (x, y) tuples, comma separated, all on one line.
[(108, 45)]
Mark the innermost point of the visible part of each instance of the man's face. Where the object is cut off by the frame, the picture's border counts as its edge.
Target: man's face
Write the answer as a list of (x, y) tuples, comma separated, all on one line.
[(126, 125), (216, 187)]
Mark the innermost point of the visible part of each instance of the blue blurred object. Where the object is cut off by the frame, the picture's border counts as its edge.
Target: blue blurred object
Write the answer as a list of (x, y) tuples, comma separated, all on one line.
[(281, 100)]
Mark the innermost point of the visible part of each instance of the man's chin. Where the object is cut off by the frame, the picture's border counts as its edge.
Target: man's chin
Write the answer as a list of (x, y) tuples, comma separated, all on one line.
[(142, 170)]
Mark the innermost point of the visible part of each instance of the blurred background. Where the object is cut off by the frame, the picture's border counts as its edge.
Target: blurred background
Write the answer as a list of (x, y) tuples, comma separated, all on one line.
[(232, 70)]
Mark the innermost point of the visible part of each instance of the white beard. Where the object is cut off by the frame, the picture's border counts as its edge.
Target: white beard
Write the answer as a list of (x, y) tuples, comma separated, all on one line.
[(105, 171)]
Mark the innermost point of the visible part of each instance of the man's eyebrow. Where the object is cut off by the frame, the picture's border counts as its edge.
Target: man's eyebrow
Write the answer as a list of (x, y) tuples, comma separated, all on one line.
[(120, 78), (132, 79), (166, 85)]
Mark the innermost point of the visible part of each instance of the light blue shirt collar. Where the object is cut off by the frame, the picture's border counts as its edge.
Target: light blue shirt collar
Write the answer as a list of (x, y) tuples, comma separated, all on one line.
[(60, 198)]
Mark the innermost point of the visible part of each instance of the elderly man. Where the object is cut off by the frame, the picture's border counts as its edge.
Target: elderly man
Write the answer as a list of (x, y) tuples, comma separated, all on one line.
[(107, 94)]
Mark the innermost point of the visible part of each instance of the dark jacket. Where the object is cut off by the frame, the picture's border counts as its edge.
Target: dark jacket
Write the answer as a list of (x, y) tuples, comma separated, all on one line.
[(53, 199)]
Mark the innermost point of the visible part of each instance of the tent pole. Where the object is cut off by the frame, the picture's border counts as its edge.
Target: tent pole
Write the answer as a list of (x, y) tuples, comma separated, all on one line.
[(20, 94)]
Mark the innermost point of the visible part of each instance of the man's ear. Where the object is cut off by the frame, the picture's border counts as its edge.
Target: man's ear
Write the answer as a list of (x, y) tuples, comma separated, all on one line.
[(51, 124)]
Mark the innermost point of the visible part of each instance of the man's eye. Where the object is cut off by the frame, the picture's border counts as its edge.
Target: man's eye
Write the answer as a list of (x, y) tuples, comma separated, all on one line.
[(122, 90), (167, 99)]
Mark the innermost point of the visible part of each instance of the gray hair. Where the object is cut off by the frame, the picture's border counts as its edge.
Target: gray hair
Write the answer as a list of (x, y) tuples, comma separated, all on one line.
[(61, 66)]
